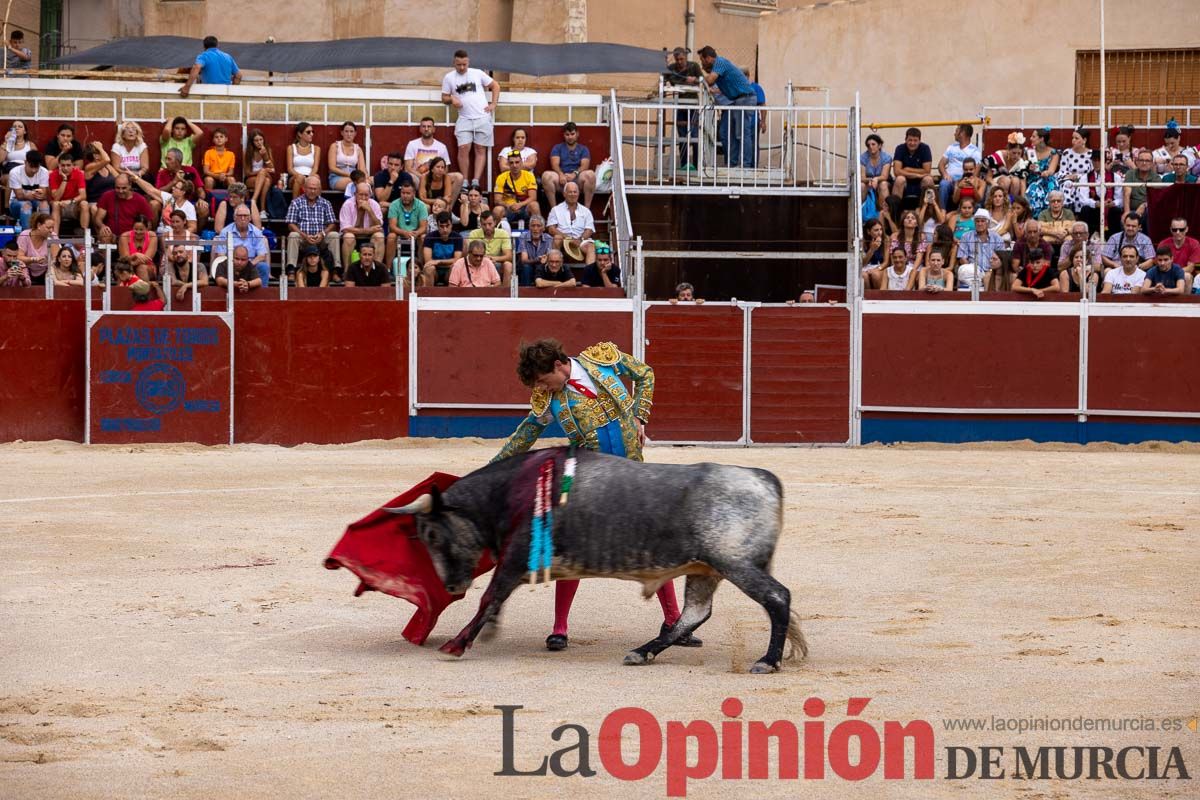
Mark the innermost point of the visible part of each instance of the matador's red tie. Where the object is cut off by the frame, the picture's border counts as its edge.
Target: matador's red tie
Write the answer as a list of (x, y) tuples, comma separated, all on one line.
[(583, 390)]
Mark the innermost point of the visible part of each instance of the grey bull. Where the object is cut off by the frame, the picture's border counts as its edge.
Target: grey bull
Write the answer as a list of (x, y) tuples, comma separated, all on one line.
[(623, 519)]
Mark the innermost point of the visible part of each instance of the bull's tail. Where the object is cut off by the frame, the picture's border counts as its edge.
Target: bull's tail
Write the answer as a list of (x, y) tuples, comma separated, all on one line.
[(795, 638)]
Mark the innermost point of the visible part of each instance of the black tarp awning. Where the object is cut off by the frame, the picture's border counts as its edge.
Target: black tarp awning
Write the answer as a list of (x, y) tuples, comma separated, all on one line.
[(172, 52)]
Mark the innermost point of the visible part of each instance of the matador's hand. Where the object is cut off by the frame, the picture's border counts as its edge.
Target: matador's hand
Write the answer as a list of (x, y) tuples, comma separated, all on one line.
[(641, 430)]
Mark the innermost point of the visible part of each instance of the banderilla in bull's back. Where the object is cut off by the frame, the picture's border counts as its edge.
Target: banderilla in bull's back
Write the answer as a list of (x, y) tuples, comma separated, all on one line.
[(625, 519)]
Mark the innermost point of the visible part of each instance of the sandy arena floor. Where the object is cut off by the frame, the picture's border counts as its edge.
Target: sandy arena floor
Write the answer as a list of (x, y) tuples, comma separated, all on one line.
[(169, 631)]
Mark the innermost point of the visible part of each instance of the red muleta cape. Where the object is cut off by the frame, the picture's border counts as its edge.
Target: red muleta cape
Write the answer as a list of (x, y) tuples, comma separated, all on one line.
[(383, 551)]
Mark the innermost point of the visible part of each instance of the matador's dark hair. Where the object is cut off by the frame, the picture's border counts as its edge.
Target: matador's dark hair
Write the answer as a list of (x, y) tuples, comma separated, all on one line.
[(537, 359)]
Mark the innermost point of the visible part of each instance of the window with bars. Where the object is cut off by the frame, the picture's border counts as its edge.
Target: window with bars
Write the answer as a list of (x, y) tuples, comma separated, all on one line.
[(1162, 83)]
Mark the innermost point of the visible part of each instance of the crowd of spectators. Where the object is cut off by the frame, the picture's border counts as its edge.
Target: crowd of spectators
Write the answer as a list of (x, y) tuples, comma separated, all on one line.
[(1025, 218)]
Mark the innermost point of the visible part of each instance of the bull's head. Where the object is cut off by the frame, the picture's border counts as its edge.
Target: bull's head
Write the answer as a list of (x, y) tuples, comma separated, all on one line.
[(453, 541)]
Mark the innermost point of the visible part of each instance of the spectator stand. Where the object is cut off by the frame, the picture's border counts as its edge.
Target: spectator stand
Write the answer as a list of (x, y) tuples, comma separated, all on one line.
[(151, 113)]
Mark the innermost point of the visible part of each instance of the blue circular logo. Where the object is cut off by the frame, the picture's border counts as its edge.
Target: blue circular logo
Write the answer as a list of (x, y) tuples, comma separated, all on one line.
[(160, 388)]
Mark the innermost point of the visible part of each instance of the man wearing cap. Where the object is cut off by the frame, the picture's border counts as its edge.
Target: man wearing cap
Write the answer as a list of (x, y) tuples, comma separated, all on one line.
[(587, 397), (605, 272), (977, 245), (572, 226), (735, 91)]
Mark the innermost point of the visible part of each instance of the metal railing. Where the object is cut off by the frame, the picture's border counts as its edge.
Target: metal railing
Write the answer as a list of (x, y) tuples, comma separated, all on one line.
[(1186, 116), (623, 244)]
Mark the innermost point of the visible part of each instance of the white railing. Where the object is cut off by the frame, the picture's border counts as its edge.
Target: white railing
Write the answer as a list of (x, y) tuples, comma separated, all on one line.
[(671, 146), (1026, 117), (1186, 116), (623, 239)]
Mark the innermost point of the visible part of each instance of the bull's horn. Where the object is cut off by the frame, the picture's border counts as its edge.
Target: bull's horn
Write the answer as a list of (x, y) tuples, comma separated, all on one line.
[(422, 505)]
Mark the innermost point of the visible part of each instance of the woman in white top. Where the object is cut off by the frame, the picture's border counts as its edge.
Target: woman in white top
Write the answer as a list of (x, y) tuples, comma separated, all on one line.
[(345, 156), (900, 273), (129, 152), (528, 155), (303, 157), (16, 146)]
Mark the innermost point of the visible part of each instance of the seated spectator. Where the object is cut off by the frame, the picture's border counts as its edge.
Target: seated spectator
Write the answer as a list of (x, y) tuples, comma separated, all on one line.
[(246, 277), (219, 162), (1008, 168), (475, 269), (1031, 248), (29, 187), (999, 278), (1075, 167), (361, 219), (874, 253), (420, 153), (912, 165), (142, 301), (874, 170), (978, 244), (303, 158), (16, 54), (516, 190), (1021, 215), (497, 244), (1078, 242), (604, 273), (929, 214), (1179, 171), (1056, 220), (16, 146), (534, 251), (1165, 277), (408, 222), (1128, 278), (935, 277), (1136, 192), (910, 238), (64, 141), (553, 275), (367, 271), (440, 206), (116, 210), (500, 212), (517, 143), (1123, 152), (236, 196), (311, 224), (246, 234), (686, 293), (951, 169), (312, 271), (1043, 173), (900, 274), (442, 251), (572, 222), (570, 162), (175, 173), (13, 273), (969, 274), (259, 168), (999, 212), (1131, 234), (98, 171), (123, 273), (943, 242), (470, 208), (178, 265), (388, 182), (68, 192), (357, 176), (1071, 273), (182, 135), (970, 186), (1037, 276), (1165, 155), (66, 268), (1185, 251), (138, 246), (130, 153), (963, 219), (435, 183), (175, 233), (345, 156), (178, 197)]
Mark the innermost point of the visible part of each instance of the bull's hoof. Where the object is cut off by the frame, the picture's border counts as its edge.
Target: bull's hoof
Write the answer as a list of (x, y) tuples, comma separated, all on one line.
[(635, 659), (687, 640), (489, 630), (453, 648), (556, 642), (763, 668)]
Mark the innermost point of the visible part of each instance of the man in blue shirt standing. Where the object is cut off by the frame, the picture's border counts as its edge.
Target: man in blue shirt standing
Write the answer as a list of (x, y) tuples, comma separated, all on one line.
[(736, 91), (213, 66)]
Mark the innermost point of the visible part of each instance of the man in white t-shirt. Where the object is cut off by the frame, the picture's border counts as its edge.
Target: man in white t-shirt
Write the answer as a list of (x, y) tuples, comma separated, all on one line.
[(29, 189), (951, 166), (1127, 278), (571, 221), (425, 148), (463, 87)]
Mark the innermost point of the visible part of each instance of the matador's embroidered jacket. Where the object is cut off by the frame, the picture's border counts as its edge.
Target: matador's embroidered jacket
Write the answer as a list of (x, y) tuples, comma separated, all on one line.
[(593, 422)]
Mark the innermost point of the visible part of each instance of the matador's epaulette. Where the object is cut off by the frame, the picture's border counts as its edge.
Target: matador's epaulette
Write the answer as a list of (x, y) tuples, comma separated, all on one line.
[(603, 353), (539, 402)]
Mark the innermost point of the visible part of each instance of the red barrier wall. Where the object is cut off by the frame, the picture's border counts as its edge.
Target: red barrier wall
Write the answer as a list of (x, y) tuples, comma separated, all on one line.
[(42, 352), (970, 361), (470, 357), (1144, 363), (800, 375), (696, 352)]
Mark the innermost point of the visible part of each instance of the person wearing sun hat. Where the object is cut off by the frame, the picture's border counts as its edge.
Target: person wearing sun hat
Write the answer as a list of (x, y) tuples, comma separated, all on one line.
[(604, 272)]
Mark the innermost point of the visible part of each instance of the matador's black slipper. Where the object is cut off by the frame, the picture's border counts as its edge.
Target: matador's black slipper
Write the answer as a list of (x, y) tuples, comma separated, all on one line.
[(684, 641), (556, 642)]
